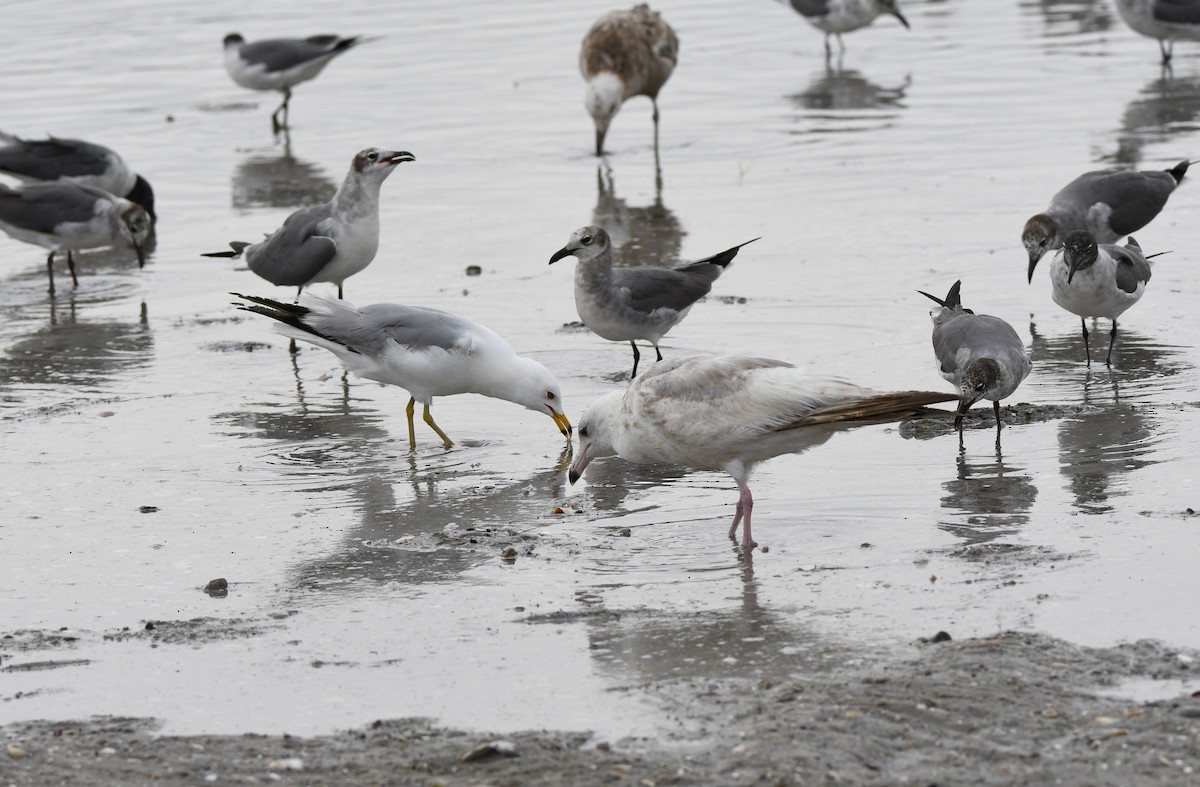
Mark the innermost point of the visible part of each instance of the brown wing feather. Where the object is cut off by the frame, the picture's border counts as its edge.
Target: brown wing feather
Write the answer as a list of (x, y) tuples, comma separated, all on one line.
[(881, 408)]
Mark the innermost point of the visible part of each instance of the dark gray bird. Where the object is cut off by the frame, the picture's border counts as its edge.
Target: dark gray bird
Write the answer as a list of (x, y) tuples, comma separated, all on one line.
[(1098, 280), (328, 242), (982, 356), (68, 217), (282, 63), (626, 54), (835, 17), (1109, 204), (1165, 20), (624, 304), (85, 163)]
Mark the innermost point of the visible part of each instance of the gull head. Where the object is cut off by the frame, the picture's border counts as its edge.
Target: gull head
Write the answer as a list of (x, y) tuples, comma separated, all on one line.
[(891, 7), (234, 40), (536, 388), (378, 163), (1038, 237), (603, 98), (1079, 252), (981, 377), (134, 226), (586, 243), (595, 433)]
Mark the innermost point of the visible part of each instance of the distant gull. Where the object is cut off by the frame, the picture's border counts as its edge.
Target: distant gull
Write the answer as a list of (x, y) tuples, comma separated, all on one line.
[(729, 413), (1098, 281), (424, 351), (624, 304), (281, 64), (626, 54), (1166, 20), (85, 163), (843, 16), (982, 356), (64, 216), (1109, 204), (328, 242)]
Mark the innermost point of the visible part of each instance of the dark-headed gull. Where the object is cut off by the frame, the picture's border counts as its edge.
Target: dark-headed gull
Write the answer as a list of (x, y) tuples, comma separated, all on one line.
[(1165, 20), (626, 54), (835, 17), (424, 351), (1108, 203), (729, 413), (65, 216), (982, 356), (624, 304)]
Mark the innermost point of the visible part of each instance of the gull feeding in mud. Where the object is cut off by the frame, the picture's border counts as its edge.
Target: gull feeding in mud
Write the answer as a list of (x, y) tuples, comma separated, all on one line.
[(282, 63), (729, 413), (981, 355), (329, 242), (1098, 280), (65, 216), (1165, 20), (424, 351), (624, 304), (835, 17), (77, 161), (626, 54), (1108, 203)]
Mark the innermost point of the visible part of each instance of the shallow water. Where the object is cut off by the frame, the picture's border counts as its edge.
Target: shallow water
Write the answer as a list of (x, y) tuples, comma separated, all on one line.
[(912, 165)]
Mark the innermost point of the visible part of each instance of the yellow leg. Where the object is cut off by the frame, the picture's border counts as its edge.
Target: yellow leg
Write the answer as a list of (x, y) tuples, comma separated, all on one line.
[(412, 434), (429, 420)]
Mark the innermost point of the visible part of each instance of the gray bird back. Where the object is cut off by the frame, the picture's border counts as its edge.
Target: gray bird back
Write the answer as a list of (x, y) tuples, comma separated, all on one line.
[(410, 326), (1132, 267), (656, 288), (40, 207), (1135, 197), (280, 54), (51, 159), (297, 251)]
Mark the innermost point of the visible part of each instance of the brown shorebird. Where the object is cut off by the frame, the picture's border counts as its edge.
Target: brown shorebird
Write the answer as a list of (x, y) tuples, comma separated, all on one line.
[(626, 54)]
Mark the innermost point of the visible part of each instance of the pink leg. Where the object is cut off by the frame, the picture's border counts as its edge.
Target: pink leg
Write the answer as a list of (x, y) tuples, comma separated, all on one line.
[(745, 506)]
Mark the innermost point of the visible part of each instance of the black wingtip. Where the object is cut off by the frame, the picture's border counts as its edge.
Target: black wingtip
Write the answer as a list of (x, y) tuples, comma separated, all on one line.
[(1179, 170), (725, 257), (237, 246)]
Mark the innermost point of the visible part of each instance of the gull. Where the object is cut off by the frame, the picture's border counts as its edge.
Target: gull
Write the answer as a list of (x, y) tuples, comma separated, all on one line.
[(85, 163), (626, 54), (65, 216), (1166, 20), (624, 304), (1098, 281), (981, 355), (329, 242), (281, 64), (843, 16), (729, 413), (1109, 204), (424, 351)]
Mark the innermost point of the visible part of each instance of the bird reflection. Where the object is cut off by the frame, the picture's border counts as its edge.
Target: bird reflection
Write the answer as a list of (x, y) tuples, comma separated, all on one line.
[(1070, 17), (1096, 448), (279, 180), (1164, 108), (641, 235), (610, 482), (1140, 363), (834, 96), (995, 498)]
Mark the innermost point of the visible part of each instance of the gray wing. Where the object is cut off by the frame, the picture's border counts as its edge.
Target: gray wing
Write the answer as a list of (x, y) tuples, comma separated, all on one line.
[(981, 335), (51, 159), (280, 54), (647, 289), (1134, 197), (1180, 12), (40, 207), (810, 7), (409, 326), (1132, 267), (296, 252)]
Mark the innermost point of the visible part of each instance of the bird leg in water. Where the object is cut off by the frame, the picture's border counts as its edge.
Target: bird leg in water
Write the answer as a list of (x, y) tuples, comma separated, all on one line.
[(429, 420), (1112, 339), (75, 279), (745, 506), (996, 410), (50, 272), (1087, 350), (277, 126), (412, 433)]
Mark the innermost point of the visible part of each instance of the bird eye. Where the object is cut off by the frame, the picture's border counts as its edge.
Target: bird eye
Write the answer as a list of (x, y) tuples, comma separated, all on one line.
[(980, 386), (583, 431), (550, 395), (586, 240), (372, 156)]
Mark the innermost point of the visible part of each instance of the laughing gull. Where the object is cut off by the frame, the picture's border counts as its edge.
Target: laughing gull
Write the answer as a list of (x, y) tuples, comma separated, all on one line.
[(328, 242), (1098, 281), (74, 160), (729, 413), (1109, 204), (626, 54), (68, 217), (981, 355), (624, 304), (281, 64), (843, 16), (1166, 20), (424, 351)]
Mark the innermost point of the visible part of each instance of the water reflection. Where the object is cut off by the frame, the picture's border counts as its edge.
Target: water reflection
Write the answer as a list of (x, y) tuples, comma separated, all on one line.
[(610, 482), (1069, 17), (995, 498), (834, 96), (641, 235), (1096, 449), (1140, 364), (1165, 108), (279, 180)]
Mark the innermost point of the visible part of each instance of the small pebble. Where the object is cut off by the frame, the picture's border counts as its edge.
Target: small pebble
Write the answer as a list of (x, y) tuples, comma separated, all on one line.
[(509, 555), (490, 749), (624, 532), (147, 509), (942, 636), (16, 752), (474, 270), (217, 588), (108, 750), (288, 764)]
